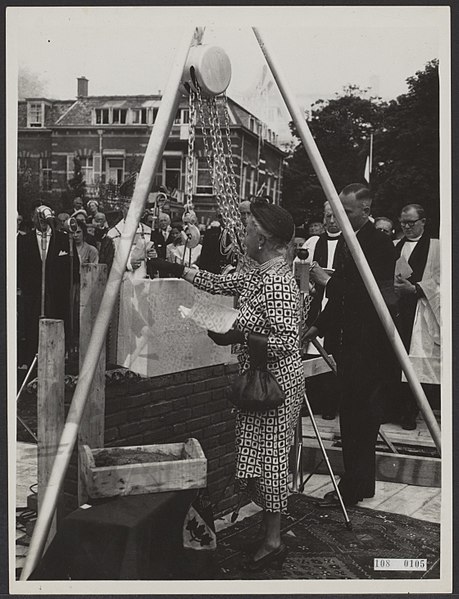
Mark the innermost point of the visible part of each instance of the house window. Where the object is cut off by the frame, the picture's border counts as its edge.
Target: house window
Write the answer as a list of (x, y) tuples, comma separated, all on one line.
[(23, 164), (252, 181), (119, 116), (185, 116), (172, 172), (155, 113), (268, 184), (158, 180), (140, 116), (102, 116), (36, 114), (244, 181), (275, 189), (114, 170), (182, 117), (203, 178), (45, 174), (251, 123), (87, 170)]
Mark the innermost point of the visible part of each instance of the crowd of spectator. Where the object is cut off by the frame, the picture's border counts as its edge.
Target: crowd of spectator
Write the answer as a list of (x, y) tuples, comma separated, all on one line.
[(83, 235)]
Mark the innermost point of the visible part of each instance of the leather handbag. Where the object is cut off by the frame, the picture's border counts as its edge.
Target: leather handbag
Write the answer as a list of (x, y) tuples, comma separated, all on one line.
[(256, 389)]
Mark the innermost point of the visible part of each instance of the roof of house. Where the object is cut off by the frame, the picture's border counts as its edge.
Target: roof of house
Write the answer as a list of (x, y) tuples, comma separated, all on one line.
[(54, 110), (79, 112)]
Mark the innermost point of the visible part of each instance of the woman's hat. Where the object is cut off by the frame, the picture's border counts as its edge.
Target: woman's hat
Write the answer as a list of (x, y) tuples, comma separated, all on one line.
[(273, 219)]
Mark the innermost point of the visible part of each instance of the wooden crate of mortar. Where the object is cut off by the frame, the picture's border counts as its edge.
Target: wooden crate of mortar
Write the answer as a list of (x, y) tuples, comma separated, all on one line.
[(137, 470)]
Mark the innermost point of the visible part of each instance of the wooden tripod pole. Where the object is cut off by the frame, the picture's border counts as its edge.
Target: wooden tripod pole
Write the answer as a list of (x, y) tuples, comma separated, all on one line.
[(351, 240), (163, 124)]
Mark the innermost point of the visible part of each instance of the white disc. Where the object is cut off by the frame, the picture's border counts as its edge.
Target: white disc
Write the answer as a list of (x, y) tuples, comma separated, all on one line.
[(210, 67)]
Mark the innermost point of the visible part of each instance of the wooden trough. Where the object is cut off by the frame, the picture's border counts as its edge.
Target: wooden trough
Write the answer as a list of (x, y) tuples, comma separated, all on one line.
[(137, 470)]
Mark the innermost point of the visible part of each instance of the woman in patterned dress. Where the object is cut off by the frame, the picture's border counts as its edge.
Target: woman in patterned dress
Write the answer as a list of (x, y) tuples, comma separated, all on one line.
[(268, 304)]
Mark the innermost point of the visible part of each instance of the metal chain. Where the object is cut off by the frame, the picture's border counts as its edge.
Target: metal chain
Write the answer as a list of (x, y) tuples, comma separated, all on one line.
[(190, 157), (230, 148), (227, 197), (224, 187)]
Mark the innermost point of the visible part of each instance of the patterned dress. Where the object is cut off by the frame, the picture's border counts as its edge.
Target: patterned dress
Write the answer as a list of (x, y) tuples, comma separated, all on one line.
[(268, 304)]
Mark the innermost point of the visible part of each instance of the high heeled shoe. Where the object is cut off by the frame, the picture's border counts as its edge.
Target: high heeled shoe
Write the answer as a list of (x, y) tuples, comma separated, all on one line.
[(273, 559)]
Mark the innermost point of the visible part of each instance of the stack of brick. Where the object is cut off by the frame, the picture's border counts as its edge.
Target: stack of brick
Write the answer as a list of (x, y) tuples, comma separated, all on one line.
[(169, 409)]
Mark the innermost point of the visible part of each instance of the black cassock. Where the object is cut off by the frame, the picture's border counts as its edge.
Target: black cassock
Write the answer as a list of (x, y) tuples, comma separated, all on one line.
[(366, 362)]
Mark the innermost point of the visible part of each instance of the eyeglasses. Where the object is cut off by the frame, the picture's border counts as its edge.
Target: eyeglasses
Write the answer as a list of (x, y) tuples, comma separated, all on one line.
[(409, 223)]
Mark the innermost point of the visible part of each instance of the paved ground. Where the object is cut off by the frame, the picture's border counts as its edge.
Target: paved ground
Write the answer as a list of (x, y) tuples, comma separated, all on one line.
[(418, 502)]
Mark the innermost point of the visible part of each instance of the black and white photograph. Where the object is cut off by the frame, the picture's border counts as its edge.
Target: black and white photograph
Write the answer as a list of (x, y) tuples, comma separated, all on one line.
[(229, 311)]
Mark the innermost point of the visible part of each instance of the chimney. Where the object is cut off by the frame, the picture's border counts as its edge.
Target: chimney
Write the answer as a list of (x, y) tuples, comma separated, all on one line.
[(82, 87)]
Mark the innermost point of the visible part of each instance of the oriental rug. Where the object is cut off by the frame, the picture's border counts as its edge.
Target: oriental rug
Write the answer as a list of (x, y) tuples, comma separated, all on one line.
[(321, 546)]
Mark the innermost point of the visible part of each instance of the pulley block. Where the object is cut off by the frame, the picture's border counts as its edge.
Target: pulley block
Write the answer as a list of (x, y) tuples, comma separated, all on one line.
[(209, 68)]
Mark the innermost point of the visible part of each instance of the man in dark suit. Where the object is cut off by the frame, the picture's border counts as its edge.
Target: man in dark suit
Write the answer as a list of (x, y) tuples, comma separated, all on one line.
[(364, 356), (43, 242), (160, 236)]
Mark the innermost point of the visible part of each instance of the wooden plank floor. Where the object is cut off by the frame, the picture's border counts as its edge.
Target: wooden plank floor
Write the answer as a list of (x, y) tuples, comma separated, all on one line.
[(394, 432), (418, 502)]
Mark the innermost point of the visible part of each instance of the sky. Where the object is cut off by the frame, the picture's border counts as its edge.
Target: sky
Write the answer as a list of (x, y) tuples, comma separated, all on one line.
[(129, 50)]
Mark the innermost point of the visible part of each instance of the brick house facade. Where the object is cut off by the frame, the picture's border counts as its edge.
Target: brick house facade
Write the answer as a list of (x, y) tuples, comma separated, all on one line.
[(109, 136)]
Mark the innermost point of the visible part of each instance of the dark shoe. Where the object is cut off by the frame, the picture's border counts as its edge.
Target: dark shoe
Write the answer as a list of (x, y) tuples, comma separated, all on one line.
[(331, 500), (408, 423), (273, 559), (328, 416)]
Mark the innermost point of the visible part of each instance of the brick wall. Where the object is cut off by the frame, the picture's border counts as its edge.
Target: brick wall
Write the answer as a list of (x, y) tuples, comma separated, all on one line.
[(169, 409)]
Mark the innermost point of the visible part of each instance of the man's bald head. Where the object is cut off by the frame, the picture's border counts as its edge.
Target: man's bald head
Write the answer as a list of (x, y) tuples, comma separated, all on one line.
[(356, 200)]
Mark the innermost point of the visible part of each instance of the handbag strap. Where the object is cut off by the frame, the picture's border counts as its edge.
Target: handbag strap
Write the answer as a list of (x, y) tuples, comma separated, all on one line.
[(258, 350)]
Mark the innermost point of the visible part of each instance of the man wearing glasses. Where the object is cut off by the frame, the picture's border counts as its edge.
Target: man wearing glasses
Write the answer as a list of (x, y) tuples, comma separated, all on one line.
[(417, 284)]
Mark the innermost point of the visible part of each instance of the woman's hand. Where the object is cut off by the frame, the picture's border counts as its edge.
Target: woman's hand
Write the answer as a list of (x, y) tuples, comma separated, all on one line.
[(228, 338), (318, 275), (135, 264)]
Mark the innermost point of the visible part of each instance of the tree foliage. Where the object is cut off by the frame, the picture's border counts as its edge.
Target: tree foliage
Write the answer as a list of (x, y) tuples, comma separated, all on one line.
[(409, 167), (341, 128), (405, 149)]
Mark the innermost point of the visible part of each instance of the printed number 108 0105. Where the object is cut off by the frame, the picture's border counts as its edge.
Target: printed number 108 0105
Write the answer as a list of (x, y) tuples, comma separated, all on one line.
[(389, 563)]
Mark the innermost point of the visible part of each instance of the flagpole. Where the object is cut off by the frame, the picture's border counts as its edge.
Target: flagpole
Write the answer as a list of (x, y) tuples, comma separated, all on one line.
[(371, 158)]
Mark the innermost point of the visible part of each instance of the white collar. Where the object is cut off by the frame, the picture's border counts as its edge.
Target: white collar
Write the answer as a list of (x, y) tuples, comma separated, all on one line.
[(46, 233)]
